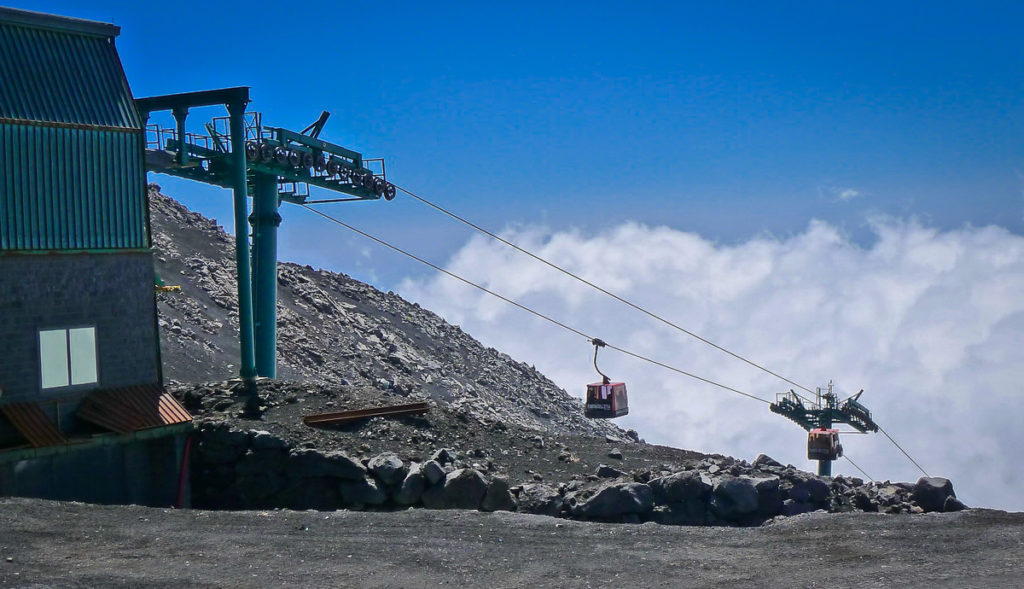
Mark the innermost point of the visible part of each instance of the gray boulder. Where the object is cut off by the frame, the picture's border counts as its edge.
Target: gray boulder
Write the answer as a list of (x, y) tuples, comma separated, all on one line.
[(953, 504), (796, 492), (763, 460), (930, 493), (540, 499), (388, 468), (443, 456), (362, 492), (734, 497), (863, 501), (681, 487), (769, 497), (308, 463), (412, 487), (464, 488), (818, 490), (889, 495), (433, 472), (609, 472), (498, 497), (611, 500)]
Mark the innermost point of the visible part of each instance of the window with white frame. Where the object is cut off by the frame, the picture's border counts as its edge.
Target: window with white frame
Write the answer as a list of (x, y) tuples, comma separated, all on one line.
[(67, 357)]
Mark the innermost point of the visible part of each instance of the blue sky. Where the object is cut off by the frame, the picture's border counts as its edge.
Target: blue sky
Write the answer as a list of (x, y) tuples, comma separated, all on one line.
[(727, 119)]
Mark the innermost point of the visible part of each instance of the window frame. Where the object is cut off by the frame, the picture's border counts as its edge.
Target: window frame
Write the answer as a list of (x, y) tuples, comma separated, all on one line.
[(73, 377)]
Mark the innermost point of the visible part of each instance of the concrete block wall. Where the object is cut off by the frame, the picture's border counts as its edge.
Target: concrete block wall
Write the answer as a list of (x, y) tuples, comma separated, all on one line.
[(113, 292)]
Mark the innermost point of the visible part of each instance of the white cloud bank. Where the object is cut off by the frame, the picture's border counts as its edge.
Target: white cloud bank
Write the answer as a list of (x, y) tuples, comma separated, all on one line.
[(929, 323)]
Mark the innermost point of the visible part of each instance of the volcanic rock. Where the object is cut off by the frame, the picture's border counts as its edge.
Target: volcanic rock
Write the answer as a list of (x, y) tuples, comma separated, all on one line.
[(498, 497), (611, 500), (734, 497), (309, 463), (930, 493), (539, 499), (388, 468)]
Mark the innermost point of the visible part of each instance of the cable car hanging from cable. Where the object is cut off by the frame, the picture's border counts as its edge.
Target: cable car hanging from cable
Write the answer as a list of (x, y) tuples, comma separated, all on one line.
[(823, 444), (605, 399)]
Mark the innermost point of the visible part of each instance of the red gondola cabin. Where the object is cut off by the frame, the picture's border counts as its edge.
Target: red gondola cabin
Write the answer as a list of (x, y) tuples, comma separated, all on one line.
[(606, 400), (823, 444)]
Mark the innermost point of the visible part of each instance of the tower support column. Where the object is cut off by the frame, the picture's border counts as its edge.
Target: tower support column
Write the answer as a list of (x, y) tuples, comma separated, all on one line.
[(265, 221), (241, 204)]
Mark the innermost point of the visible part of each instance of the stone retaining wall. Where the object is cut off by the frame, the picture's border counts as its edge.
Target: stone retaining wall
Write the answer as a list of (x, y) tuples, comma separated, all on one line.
[(234, 469)]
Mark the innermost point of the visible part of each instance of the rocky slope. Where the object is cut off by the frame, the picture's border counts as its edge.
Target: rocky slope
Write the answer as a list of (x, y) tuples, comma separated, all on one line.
[(498, 435), (333, 330)]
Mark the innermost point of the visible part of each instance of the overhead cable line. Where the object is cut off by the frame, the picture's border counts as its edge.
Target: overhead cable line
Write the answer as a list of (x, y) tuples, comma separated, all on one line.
[(595, 286), (582, 334), (904, 451), (524, 307), (866, 475)]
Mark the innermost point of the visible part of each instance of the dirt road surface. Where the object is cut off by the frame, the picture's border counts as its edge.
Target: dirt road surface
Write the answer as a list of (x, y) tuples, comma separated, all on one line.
[(51, 544)]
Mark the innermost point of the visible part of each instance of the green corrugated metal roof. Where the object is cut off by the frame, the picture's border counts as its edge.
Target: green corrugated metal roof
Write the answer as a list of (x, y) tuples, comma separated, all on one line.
[(60, 70)]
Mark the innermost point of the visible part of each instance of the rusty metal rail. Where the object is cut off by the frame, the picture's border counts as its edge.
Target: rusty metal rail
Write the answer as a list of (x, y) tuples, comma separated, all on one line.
[(339, 417)]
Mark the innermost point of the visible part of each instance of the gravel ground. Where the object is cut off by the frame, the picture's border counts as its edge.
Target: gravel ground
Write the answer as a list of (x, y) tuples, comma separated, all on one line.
[(51, 544)]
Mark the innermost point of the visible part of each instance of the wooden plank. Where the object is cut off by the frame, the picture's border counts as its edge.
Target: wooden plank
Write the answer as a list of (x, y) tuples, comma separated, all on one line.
[(357, 414)]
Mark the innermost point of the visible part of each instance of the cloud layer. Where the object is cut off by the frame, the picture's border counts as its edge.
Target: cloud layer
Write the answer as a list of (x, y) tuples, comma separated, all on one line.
[(929, 323)]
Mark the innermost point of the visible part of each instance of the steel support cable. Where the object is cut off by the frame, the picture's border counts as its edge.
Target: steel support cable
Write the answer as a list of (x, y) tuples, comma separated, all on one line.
[(904, 451), (594, 286), (524, 307), (866, 475), (700, 378)]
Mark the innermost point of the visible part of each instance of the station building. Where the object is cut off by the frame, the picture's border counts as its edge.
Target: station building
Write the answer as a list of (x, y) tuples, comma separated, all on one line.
[(83, 413)]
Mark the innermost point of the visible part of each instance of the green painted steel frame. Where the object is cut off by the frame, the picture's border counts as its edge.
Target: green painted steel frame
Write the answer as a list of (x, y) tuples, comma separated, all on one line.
[(219, 174), (258, 302), (235, 99)]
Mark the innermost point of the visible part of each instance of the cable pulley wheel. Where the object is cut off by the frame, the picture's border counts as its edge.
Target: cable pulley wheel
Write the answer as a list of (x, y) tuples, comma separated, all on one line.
[(252, 151), (281, 155), (266, 153), (294, 159)]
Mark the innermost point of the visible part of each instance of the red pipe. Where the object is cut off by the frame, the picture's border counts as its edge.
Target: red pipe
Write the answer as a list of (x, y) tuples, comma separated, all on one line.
[(183, 473)]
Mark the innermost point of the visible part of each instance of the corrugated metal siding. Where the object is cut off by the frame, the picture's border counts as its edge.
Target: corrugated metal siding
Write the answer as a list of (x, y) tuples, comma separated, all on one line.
[(64, 188), (62, 77)]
